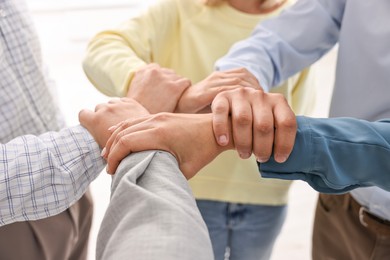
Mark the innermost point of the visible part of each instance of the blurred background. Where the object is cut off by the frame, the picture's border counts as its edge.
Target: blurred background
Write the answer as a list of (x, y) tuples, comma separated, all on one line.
[(65, 27)]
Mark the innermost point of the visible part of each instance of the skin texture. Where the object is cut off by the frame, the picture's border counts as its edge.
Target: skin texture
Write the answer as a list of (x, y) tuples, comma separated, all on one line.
[(158, 89), (198, 97), (262, 123), (108, 114), (257, 121), (242, 114), (189, 137)]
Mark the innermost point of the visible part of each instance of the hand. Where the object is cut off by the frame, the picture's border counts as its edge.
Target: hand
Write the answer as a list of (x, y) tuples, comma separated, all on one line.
[(261, 123), (189, 137), (199, 96), (157, 89), (107, 115)]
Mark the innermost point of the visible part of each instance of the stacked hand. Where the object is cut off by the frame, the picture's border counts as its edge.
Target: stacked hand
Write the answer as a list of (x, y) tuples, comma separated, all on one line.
[(198, 97), (262, 123), (189, 137), (243, 117), (109, 114), (157, 89)]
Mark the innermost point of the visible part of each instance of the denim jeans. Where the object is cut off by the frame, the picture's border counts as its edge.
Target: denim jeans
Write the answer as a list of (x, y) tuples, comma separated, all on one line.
[(242, 231)]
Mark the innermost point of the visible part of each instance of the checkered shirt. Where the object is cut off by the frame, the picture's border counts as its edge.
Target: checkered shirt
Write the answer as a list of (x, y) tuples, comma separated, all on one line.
[(41, 173)]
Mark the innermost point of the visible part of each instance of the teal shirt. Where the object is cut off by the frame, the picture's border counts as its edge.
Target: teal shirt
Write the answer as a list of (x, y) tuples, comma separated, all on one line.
[(337, 155)]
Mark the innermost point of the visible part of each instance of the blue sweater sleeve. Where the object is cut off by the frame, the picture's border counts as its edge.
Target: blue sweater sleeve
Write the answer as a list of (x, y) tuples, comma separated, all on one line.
[(337, 155), (280, 47)]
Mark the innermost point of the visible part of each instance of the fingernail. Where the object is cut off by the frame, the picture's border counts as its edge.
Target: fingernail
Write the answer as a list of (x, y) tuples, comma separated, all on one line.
[(280, 158), (245, 155), (103, 153), (262, 159), (223, 140)]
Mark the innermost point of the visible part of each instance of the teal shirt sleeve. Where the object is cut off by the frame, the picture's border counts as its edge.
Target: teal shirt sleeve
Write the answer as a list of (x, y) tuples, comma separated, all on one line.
[(337, 155)]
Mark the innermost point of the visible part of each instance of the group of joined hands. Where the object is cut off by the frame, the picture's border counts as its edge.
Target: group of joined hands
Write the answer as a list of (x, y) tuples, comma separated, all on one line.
[(195, 123)]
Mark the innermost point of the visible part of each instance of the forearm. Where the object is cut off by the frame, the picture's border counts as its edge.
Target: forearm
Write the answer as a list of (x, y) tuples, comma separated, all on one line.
[(114, 55), (110, 63), (41, 176), (152, 213), (275, 51), (337, 155)]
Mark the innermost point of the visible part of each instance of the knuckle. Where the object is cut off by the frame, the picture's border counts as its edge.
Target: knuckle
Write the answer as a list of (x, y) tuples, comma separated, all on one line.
[(288, 122), (218, 108), (245, 92), (278, 97), (122, 140), (161, 116), (242, 69), (263, 127), (154, 71), (243, 118), (82, 113), (184, 84), (241, 91), (235, 81)]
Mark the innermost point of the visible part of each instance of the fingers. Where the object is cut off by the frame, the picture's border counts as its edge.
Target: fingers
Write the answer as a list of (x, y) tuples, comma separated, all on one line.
[(233, 81), (183, 83), (115, 100), (125, 145), (221, 110), (263, 130), (241, 113), (119, 128), (285, 131), (244, 75), (262, 123)]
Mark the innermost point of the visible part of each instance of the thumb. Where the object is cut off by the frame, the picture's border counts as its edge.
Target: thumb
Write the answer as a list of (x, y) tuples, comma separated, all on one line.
[(86, 117)]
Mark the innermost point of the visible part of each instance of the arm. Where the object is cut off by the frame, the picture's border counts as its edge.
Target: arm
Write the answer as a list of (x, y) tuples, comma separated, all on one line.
[(183, 135), (276, 51), (174, 132), (332, 155), (113, 56), (152, 213), (41, 176), (337, 155), (157, 89), (198, 97)]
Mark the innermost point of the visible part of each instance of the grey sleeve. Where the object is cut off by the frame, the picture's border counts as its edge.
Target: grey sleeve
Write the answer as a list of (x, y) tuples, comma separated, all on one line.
[(152, 213)]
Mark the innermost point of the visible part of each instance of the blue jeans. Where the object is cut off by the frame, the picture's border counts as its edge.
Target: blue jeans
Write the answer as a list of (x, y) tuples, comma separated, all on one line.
[(242, 231)]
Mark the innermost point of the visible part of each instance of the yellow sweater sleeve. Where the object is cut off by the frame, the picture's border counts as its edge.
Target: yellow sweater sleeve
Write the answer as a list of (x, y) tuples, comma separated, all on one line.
[(113, 56)]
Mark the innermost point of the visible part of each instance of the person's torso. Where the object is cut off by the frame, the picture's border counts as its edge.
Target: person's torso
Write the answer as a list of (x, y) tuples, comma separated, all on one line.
[(362, 85), (206, 34)]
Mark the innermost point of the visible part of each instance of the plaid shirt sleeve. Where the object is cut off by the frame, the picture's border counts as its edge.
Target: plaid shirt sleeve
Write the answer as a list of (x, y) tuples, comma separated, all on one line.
[(41, 176)]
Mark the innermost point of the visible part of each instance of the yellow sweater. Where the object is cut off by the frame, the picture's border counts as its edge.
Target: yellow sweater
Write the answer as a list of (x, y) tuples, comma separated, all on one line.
[(189, 37)]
